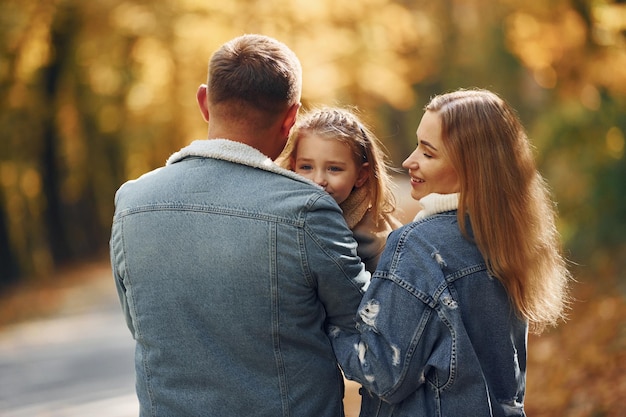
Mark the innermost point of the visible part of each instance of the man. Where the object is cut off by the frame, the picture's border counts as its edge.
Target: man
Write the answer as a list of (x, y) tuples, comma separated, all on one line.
[(230, 268)]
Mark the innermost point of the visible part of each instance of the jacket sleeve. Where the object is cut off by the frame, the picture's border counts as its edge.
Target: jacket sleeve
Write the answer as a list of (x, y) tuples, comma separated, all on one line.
[(333, 265), (116, 252), (402, 337)]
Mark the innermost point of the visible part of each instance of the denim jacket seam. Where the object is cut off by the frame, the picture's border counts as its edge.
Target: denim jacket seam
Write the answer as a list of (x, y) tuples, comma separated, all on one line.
[(278, 354), (136, 324), (425, 298), (453, 349), (297, 222), (463, 272), (305, 264)]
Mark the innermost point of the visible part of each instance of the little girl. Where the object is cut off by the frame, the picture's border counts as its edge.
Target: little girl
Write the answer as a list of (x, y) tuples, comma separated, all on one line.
[(333, 148)]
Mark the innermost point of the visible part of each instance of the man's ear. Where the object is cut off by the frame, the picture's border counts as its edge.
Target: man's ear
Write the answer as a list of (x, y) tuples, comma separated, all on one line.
[(364, 174), (202, 96), (290, 119)]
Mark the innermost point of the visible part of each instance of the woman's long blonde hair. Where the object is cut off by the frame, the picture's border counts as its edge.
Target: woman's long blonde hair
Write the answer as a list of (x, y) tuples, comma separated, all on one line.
[(345, 126), (508, 202)]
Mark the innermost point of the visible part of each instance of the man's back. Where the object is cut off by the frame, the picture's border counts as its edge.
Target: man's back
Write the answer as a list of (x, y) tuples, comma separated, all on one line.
[(229, 273)]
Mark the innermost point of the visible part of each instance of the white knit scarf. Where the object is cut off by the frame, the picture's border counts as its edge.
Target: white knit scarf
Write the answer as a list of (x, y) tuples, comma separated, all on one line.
[(437, 203)]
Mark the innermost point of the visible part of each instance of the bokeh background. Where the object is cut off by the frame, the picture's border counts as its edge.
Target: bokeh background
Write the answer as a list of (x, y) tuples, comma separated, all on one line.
[(93, 93)]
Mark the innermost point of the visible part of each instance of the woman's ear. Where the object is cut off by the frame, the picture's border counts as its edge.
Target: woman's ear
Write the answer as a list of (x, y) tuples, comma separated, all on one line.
[(364, 173)]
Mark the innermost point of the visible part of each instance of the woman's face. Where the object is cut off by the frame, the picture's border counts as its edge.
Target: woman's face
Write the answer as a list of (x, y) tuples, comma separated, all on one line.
[(429, 168)]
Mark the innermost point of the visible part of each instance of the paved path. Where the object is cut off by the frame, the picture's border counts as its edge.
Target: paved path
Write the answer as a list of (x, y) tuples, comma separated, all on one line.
[(78, 363)]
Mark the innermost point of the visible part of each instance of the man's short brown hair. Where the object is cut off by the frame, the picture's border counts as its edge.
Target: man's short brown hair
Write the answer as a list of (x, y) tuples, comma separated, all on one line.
[(257, 71)]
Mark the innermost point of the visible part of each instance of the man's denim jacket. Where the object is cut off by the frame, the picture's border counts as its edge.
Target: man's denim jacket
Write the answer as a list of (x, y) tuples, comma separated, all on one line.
[(228, 269), (438, 335)]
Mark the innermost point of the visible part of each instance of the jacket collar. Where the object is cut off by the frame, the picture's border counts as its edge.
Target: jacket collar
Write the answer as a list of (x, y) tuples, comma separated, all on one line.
[(437, 203), (232, 151)]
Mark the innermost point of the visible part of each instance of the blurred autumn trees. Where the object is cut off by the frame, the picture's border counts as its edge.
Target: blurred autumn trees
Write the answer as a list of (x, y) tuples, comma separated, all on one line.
[(95, 93)]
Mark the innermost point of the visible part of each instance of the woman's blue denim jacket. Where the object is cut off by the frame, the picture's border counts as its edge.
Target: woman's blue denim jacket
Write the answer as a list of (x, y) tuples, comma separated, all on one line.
[(438, 334), (228, 269)]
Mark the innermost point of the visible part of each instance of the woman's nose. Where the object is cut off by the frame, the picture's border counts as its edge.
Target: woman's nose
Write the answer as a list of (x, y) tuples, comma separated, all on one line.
[(410, 162)]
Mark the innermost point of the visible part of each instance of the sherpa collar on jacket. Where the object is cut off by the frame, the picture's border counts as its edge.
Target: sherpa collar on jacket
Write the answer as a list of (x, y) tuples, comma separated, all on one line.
[(232, 151)]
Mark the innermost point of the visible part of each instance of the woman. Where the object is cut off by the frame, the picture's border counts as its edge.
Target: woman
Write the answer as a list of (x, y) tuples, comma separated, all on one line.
[(443, 325)]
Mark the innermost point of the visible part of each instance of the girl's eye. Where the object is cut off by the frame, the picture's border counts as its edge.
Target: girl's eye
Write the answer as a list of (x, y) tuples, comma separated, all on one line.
[(304, 167), (335, 169), (427, 156)]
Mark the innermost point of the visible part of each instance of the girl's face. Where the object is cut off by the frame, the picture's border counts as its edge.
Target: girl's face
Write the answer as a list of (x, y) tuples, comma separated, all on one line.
[(429, 168), (330, 164)]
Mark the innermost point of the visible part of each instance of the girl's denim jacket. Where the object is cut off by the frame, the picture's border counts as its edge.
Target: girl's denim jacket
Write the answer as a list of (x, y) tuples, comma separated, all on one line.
[(438, 334)]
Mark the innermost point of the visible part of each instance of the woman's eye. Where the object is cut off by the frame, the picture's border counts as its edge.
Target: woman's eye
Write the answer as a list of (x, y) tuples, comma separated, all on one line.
[(423, 148)]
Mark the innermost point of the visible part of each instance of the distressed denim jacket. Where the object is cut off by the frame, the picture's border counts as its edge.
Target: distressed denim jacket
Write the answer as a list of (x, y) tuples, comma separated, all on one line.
[(438, 335), (228, 269)]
